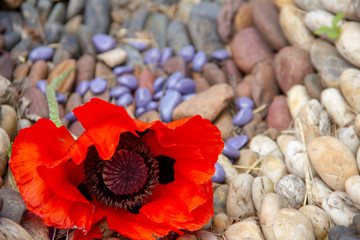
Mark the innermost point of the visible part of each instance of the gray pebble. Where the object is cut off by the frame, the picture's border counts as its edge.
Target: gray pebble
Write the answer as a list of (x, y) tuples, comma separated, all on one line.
[(97, 15), (137, 21), (177, 35), (74, 7), (157, 25), (53, 31), (342, 233), (220, 196), (57, 13), (14, 207), (11, 39), (84, 36), (44, 7)]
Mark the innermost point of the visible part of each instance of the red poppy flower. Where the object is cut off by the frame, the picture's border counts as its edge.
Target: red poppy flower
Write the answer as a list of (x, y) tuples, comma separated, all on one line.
[(147, 179)]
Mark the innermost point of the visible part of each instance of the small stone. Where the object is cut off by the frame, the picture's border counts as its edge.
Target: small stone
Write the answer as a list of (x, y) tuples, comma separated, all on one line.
[(74, 7), (297, 97), (35, 227), (220, 196), (318, 18), (142, 97), (219, 175), (84, 35), (69, 81), (278, 115), (152, 56), (187, 236), (72, 25), (113, 57), (260, 187), (133, 56), (309, 5), (159, 84), (187, 53), (58, 13), (103, 42), (313, 85), (122, 69), (348, 136), (166, 54), (292, 189), (97, 15), (137, 21), (205, 235), (150, 116), (338, 6), (98, 85), (8, 120), (185, 86), (230, 151), (237, 142), (11, 39), (157, 25), (53, 32), (342, 233), (83, 87), (118, 91), (199, 61), (248, 48), (274, 168), (36, 104), (220, 54), (346, 43), (225, 23), (330, 155), (41, 53), (76, 128), (22, 70), (213, 74), (350, 86), (291, 65), (224, 123), (207, 104), (14, 207), (73, 101), (176, 64), (141, 46), (4, 146), (244, 16), (319, 220), (169, 102), (124, 100), (39, 70), (243, 89), (177, 35), (152, 105), (221, 221), (85, 68), (244, 230), (129, 81), (6, 66), (292, 24), (243, 117)]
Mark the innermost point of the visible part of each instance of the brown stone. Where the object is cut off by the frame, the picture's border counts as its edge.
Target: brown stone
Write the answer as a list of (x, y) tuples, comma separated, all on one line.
[(213, 74), (201, 84), (74, 101), (150, 116), (61, 111), (67, 84), (146, 80), (103, 71), (21, 71), (104, 96), (248, 48), (14, 207), (176, 64), (243, 18), (264, 86), (278, 115), (208, 104), (225, 21), (37, 106), (6, 66), (255, 126), (313, 85), (291, 65), (243, 89), (39, 70), (224, 123), (85, 68), (76, 128), (266, 19), (2, 41), (231, 71)]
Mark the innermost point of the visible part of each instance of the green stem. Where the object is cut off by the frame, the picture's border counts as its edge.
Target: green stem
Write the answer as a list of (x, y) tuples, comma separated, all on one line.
[(51, 96)]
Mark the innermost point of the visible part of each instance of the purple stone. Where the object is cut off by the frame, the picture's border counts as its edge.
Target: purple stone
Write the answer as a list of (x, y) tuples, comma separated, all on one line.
[(129, 81), (140, 111), (173, 79), (187, 53), (199, 61), (152, 56), (139, 45), (243, 117), (158, 95), (244, 102), (187, 96), (230, 152), (60, 98), (41, 53), (98, 85), (70, 116), (124, 100), (116, 92), (142, 97), (122, 69), (152, 106), (166, 55), (103, 42), (171, 99), (185, 86), (159, 84), (220, 54), (41, 85), (83, 87), (219, 175), (238, 141)]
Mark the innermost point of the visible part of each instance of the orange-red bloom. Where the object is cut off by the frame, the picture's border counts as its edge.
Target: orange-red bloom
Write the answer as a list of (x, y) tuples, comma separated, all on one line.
[(146, 178)]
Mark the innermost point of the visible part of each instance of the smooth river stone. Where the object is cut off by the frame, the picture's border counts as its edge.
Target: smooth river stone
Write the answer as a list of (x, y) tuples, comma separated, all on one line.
[(185, 86), (318, 18), (244, 230), (350, 87), (124, 100), (315, 121), (114, 57), (84, 35), (292, 24), (157, 25), (207, 104), (292, 189), (348, 42), (103, 42), (169, 102), (278, 115), (142, 97), (328, 62), (352, 186), (177, 35), (41, 53), (248, 48), (297, 97), (319, 220), (335, 105), (338, 6), (291, 65), (98, 85), (333, 161), (265, 147), (260, 187), (187, 53), (97, 15), (129, 81), (309, 5), (199, 61)]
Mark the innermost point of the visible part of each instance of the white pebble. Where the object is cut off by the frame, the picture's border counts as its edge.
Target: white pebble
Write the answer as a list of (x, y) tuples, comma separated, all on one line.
[(297, 97)]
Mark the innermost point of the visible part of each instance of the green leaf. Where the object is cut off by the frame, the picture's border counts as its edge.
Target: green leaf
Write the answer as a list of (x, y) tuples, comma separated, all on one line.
[(333, 34), (9, 150), (323, 29), (338, 17)]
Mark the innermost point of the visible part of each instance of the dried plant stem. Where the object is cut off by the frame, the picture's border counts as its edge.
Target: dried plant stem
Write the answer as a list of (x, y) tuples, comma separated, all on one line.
[(54, 234), (246, 167), (51, 97), (255, 164), (259, 109)]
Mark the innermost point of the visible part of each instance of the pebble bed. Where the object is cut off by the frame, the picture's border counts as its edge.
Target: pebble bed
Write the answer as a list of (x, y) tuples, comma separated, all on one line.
[(286, 100)]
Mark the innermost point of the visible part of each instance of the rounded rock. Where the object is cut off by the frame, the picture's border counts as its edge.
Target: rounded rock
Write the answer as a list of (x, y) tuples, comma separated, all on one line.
[(219, 175), (142, 97), (103, 42), (8, 120), (230, 151), (152, 105), (152, 56), (185, 86), (141, 46), (116, 92), (122, 69), (199, 61), (98, 85), (220, 54), (166, 54), (41, 85), (187, 53), (174, 79), (243, 117), (244, 230), (159, 84), (319, 220), (170, 100), (260, 187), (352, 186), (82, 88), (129, 81), (292, 189), (245, 102), (350, 87), (237, 142), (4, 146), (41, 53)]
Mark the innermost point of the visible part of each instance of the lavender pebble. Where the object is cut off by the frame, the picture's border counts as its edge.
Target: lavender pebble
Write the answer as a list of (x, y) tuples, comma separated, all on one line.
[(152, 56), (219, 175), (103, 42), (98, 85), (244, 102), (230, 152), (243, 117), (238, 141), (140, 111), (187, 53), (125, 100), (41, 53), (129, 81), (139, 45), (122, 69), (142, 97), (185, 86), (152, 106), (116, 92), (199, 61), (70, 116), (220, 54), (41, 85), (165, 55), (60, 98), (171, 99), (158, 95), (159, 84), (83, 87), (173, 79)]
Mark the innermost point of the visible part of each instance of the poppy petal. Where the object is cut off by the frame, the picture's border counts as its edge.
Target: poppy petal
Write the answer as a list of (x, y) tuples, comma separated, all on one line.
[(94, 232), (45, 144)]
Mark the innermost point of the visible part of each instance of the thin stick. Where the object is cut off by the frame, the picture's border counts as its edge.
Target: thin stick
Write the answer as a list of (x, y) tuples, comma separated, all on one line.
[(54, 234), (246, 167)]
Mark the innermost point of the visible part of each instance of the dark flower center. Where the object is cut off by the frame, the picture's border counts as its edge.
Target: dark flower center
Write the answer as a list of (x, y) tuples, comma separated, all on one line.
[(125, 173)]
